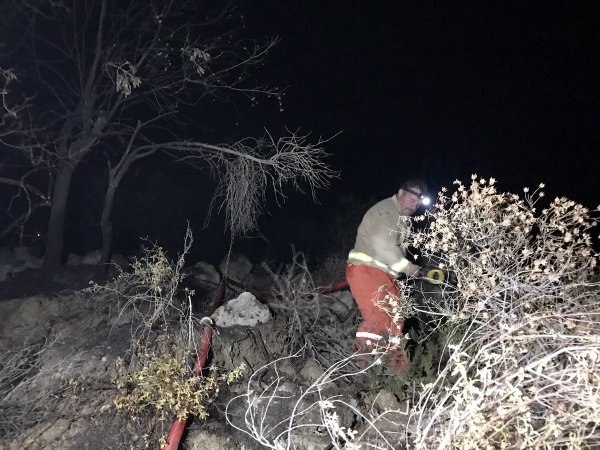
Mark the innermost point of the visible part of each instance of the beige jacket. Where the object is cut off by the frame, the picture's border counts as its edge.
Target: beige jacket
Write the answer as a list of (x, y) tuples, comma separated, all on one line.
[(381, 235)]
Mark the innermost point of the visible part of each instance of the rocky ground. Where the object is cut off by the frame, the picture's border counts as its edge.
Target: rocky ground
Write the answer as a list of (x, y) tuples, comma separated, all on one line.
[(63, 349)]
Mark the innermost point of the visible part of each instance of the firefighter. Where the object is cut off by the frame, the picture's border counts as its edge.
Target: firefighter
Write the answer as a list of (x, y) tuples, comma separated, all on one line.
[(377, 258)]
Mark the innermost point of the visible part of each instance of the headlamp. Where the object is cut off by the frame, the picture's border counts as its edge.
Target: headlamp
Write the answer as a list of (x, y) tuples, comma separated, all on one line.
[(424, 199)]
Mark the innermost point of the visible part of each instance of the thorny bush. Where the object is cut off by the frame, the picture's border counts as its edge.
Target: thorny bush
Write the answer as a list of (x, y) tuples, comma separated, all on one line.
[(524, 311), (165, 385)]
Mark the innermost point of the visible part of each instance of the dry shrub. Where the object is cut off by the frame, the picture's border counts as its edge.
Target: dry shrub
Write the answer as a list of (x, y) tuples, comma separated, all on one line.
[(165, 386), (19, 369), (149, 294), (155, 382), (314, 322), (525, 348)]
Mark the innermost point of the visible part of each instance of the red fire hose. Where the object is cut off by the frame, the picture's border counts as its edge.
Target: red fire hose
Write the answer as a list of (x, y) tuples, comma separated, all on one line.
[(178, 426)]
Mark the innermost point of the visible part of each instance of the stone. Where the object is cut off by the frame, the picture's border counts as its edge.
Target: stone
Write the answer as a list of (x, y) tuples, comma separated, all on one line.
[(91, 258), (73, 259), (201, 439), (237, 268), (311, 371), (26, 256), (346, 298), (387, 401), (5, 271), (17, 260), (245, 310), (341, 303), (203, 274)]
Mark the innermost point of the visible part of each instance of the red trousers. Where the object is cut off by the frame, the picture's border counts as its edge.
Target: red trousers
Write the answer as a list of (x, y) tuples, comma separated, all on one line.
[(369, 285)]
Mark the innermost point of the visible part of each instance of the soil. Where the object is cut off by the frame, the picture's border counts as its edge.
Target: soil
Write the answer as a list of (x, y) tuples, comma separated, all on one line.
[(34, 281), (63, 347)]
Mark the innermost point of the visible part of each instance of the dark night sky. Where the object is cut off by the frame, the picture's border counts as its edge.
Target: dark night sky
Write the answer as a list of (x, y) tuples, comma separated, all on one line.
[(434, 90), (503, 89)]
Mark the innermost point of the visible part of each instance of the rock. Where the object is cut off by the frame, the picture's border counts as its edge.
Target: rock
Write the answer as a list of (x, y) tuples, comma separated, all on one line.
[(252, 346), (200, 439), (311, 371), (245, 310), (237, 268), (260, 279), (341, 303), (387, 401), (17, 260), (308, 441), (204, 275), (73, 259), (25, 256), (286, 368), (91, 258), (288, 388), (5, 270), (26, 319), (346, 298)]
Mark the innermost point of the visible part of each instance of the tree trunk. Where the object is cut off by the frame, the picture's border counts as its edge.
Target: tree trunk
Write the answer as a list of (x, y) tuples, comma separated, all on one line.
[(58, 209), (106, 223)]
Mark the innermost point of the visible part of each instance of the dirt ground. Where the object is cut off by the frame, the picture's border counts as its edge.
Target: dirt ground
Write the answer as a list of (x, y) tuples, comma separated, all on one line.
[(59, 353), (33, 281)]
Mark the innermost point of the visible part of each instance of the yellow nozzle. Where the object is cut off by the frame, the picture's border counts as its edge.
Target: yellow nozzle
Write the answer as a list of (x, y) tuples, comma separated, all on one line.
[(436, 276)]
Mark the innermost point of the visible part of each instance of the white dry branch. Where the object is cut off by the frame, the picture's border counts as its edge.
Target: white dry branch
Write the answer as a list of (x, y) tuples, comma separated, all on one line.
[(523, 370), (314, 328), (147, 294), (32, 390), (314, 409), (249, 167)]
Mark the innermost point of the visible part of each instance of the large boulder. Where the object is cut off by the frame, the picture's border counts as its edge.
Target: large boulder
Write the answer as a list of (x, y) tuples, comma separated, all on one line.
[(237, 267), (203, 275)]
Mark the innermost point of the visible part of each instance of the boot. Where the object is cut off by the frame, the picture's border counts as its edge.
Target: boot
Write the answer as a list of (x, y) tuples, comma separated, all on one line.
[(395, 360), (364, 345)]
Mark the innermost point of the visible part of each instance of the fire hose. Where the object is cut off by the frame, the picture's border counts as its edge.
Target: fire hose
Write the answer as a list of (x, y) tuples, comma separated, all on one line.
[(178, 426)]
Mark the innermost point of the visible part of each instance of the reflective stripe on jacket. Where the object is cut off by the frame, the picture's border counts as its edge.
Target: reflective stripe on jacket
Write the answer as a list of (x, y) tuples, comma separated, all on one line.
[(381, 236), (355, 257)]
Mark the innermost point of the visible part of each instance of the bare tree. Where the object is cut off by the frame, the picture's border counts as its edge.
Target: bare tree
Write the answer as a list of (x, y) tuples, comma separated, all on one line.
[(108, 74), (245, 170), (26, 197)]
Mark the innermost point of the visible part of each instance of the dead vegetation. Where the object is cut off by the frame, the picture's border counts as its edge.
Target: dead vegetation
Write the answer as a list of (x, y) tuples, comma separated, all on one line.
[(504, 354)]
